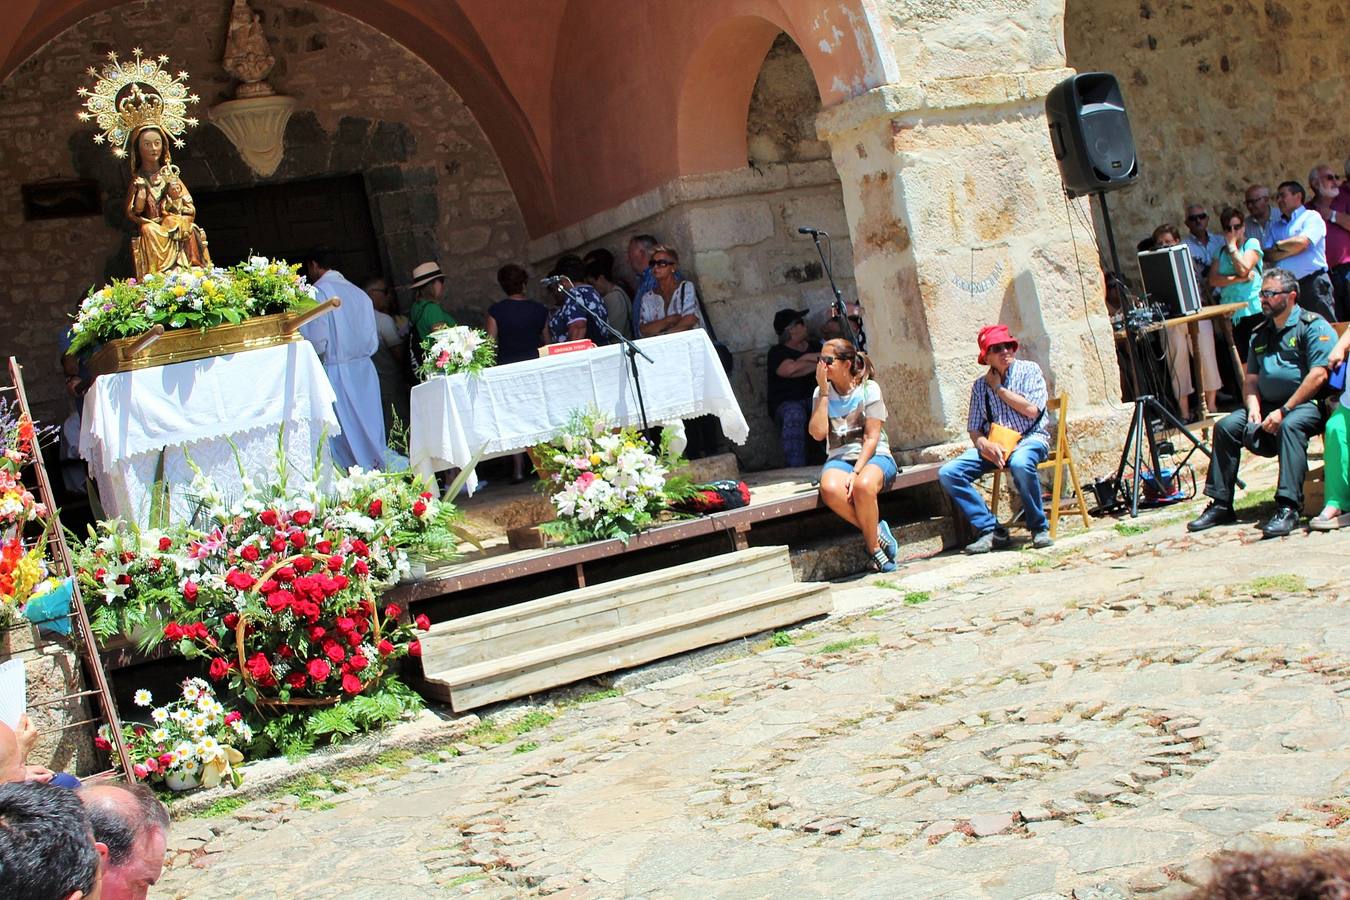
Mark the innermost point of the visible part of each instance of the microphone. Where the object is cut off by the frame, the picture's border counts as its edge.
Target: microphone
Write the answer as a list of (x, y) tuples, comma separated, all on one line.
[(807, 229)]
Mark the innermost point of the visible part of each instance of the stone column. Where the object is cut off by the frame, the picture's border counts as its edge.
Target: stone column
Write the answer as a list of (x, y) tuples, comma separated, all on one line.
[(958, 220)]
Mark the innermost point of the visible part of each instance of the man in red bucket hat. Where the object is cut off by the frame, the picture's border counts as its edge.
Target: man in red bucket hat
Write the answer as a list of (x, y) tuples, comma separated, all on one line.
[(1007, 427)]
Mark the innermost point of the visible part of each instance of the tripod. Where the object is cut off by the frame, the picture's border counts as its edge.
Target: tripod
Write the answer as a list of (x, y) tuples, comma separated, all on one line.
[(840, 310), (1145, 404)]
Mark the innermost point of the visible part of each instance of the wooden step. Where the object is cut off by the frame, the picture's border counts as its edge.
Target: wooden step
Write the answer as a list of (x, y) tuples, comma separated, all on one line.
[(602, 651), (615, 604)]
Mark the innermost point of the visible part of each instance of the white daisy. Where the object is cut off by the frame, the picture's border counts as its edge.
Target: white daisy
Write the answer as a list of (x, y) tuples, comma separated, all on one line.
[(191, 692), (159, 735), (181, 716), (160, 716), (183, 751), (208, 747), (142, 698)]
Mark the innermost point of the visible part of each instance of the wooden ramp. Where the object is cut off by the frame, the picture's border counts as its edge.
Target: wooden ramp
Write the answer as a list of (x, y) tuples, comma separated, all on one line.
[(544, 643)]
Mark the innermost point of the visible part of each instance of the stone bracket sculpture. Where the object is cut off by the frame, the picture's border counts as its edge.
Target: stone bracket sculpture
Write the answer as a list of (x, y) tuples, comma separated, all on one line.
[(255, 122), (257, 127)]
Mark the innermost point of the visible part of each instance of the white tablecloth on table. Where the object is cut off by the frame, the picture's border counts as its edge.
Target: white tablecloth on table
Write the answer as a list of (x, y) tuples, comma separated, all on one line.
[(203, 405), (508, 408)]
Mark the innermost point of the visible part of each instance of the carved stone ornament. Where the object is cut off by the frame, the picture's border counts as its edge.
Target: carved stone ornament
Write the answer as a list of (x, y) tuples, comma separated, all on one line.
[(247, 54), (256, 126)]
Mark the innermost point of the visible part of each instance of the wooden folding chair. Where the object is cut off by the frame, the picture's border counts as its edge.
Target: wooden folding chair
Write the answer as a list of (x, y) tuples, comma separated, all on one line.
[(1059, 459)]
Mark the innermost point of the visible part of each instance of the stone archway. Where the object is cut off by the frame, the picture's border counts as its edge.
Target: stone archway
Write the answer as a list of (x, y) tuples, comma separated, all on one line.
[(435, 185)]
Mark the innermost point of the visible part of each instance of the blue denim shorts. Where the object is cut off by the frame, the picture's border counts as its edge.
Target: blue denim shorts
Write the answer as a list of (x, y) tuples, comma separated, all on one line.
[(883, 462)]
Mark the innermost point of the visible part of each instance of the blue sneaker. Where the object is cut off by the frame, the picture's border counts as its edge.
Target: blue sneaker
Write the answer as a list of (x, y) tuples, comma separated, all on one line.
[(880, 562), (888, 541)]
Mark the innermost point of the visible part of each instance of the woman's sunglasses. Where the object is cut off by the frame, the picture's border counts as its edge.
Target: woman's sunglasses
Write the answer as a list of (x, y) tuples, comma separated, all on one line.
[(658, 263)]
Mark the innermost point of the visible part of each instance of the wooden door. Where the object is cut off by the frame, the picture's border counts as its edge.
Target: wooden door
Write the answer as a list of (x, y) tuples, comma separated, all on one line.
[(283, 221)]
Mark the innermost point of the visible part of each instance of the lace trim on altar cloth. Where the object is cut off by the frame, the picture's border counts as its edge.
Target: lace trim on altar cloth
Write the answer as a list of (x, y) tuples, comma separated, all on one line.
[(224, 435), (728, 414)]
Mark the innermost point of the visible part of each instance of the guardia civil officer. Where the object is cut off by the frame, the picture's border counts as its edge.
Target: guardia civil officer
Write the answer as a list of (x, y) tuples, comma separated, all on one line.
[(1286, 367)]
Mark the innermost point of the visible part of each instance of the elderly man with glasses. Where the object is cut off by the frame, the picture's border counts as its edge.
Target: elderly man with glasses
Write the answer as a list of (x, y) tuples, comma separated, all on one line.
[(1205, 246), (1331, 201), (1259, 222), (1007, 428), (1286, 367), (1301, 247)]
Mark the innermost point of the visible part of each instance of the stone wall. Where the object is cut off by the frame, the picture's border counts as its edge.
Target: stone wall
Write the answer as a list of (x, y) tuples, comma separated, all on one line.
[(53, 671), (1220, 95), (365, 105)]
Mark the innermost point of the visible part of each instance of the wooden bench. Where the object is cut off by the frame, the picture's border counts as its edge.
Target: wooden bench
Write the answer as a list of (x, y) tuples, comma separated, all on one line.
[(736, 524)]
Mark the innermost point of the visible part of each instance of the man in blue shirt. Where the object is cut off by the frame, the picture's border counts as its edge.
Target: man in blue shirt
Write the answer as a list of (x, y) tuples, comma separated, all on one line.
[(1012, 394), (1286, 367), (1300, 246), (1204, 245)]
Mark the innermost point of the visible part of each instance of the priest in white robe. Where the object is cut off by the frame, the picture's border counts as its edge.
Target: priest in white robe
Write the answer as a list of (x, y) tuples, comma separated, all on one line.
[(345, 340)]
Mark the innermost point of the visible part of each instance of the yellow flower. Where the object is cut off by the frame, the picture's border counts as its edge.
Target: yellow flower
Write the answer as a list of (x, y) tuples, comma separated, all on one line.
[(596, 459), (220, 765), (179, 290)]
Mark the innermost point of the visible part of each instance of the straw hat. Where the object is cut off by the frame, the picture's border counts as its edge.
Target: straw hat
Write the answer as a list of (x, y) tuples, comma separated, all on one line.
[(426, 273)]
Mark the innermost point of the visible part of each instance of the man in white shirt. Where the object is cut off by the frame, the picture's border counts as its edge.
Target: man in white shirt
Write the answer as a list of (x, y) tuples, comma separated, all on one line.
[(345, 339), (1205, 247), (1300, 247)]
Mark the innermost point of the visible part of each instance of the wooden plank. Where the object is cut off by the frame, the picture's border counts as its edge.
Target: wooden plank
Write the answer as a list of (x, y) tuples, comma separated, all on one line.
[(476, 686), (453, 644), (758, 559)]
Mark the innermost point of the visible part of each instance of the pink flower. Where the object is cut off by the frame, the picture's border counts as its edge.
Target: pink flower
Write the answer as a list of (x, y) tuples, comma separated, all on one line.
[(584, 480)]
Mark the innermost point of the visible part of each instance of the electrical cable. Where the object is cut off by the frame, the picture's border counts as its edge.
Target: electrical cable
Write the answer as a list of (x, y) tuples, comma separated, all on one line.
[(1082, 289)]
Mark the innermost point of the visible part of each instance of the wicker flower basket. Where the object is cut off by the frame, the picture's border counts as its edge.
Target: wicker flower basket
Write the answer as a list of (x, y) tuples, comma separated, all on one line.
[(276, 703)]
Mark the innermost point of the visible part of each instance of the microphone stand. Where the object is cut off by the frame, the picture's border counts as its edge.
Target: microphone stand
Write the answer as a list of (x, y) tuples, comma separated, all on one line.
[(631, 350), (845, 326)]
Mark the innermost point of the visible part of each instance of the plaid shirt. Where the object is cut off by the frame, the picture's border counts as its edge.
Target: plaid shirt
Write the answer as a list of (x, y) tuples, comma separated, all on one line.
[(1025, 379)]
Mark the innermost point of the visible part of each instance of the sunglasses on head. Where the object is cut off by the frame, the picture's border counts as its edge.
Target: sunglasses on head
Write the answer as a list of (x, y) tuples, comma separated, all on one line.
[(658, 263)]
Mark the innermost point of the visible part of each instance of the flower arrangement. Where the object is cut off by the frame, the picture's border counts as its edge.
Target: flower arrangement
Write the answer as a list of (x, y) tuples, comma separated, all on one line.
[(606, 482), (196, 298), (274, 591), (188, 740), (23, 556), (454, 349)]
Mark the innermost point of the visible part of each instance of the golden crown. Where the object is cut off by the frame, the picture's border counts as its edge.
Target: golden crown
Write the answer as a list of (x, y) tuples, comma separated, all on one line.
[(133, 94)]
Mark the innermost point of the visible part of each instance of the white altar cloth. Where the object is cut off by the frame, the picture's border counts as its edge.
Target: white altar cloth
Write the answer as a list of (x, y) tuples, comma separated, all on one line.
[(202, 406), (508, 408)]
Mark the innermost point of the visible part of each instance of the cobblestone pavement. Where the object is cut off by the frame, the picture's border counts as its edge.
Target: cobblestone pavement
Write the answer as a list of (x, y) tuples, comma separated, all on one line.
[(1091, 723)]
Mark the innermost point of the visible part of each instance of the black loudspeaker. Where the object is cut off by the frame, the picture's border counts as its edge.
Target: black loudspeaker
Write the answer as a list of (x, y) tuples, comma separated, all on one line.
[(1090, 134)]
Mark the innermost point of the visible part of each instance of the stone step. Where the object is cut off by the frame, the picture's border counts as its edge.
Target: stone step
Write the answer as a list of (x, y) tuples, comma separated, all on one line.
[(608, 650), (614, 604)]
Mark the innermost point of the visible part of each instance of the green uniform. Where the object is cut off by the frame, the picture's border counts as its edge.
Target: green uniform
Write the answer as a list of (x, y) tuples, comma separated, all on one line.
[(1282, 358)]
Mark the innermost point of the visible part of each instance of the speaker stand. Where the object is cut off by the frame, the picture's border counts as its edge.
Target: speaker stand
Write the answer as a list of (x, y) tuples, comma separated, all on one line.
[(1141, 428)]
